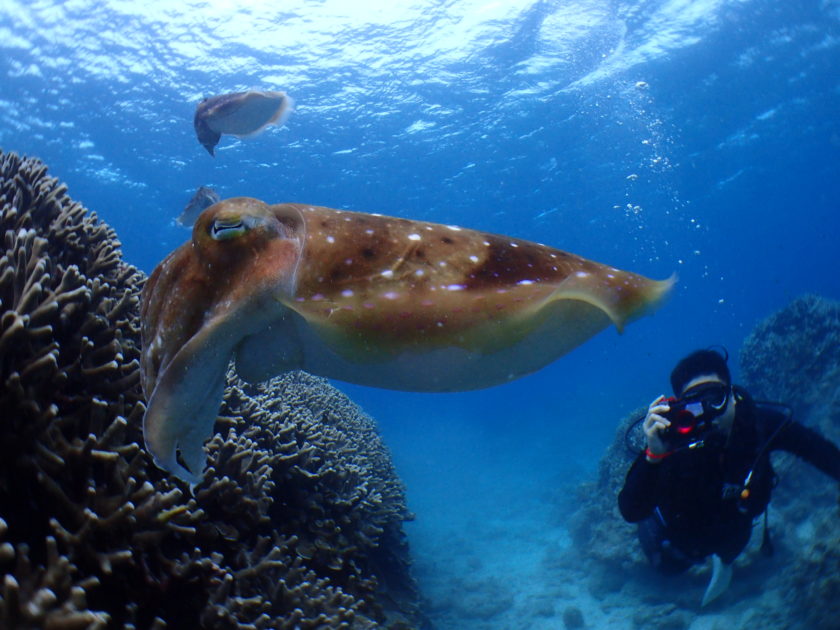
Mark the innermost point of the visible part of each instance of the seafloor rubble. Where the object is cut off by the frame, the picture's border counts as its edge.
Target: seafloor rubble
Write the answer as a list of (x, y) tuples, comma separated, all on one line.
[(793, 356), (297, 525)]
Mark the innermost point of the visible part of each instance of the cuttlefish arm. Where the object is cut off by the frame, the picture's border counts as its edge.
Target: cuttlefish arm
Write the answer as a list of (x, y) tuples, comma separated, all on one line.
[(197, 305), (364, 298)]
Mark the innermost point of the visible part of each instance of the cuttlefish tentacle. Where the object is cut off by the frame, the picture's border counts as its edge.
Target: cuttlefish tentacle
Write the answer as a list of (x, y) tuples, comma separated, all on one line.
[(364, 298), (199, 368)]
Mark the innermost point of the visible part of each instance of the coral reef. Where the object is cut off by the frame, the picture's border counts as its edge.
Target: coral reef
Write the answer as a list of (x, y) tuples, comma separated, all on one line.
[(298, 524), (597, 516), (320, 477), (794, 356), (573, 618)]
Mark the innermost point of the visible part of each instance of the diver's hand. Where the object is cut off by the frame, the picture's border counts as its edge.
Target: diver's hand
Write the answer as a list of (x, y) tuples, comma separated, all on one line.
[(653, 426)]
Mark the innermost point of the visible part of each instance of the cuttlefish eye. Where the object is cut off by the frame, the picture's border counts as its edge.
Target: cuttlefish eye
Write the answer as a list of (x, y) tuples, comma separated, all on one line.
[(223, 229)]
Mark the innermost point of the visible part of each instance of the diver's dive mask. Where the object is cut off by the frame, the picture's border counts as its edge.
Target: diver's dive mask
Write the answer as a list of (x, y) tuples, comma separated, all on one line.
[(693, 413)]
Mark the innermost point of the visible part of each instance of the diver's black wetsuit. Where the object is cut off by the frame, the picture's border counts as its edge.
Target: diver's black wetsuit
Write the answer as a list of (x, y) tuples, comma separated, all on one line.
[(689, 505)]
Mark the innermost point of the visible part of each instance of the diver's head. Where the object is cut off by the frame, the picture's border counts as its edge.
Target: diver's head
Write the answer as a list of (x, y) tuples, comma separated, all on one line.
[(704, 375), (706, 362)]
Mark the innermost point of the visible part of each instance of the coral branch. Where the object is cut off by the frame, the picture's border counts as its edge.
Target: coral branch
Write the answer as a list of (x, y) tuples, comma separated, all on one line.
[(300, 502)]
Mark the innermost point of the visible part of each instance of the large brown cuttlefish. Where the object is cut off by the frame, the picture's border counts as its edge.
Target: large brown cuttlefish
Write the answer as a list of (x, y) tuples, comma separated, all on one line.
[(363, 298)]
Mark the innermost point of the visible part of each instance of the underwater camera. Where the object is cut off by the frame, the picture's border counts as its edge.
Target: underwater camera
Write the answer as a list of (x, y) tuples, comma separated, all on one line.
[(694, 412)]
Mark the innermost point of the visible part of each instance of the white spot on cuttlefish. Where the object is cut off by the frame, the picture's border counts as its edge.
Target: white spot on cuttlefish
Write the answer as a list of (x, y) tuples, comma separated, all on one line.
[(388, 273), (413, 237)]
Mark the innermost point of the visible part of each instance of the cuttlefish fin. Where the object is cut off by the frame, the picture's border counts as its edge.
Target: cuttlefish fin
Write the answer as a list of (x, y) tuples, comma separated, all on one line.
[(279, 118), (184, 404), (253, 109), (621, 306)]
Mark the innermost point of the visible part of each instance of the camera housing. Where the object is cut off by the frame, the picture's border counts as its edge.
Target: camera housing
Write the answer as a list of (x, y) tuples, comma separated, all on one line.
[(686, 417), (694, 413)]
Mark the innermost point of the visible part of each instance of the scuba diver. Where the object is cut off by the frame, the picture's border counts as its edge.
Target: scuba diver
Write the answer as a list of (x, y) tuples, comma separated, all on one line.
[(706, 474)]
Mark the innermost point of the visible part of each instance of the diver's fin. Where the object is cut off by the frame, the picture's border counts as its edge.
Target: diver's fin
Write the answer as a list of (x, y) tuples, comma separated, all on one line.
[(721, 577)]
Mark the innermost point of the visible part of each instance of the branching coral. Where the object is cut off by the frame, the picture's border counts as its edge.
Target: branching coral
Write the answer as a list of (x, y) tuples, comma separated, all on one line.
[(297, 526), (332, 482), (69, 368)]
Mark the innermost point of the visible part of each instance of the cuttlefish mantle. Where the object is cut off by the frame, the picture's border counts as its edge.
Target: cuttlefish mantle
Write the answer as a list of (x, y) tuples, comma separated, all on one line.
[(363, 298)]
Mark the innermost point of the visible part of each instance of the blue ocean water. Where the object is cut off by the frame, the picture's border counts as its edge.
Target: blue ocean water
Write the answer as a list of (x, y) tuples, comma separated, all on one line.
[(700, 138)]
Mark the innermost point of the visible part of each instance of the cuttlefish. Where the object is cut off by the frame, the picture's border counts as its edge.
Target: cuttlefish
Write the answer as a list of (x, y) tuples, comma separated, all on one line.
[(363, 298), (240, 114), (203, 198)]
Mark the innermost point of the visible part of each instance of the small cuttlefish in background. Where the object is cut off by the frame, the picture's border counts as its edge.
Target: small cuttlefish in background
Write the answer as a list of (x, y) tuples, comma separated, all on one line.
[(203, 198), (239, 114)]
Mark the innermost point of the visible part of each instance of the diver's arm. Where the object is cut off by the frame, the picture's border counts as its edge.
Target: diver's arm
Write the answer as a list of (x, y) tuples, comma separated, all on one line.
[(654, 425), (806, 443), (640, 493)]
